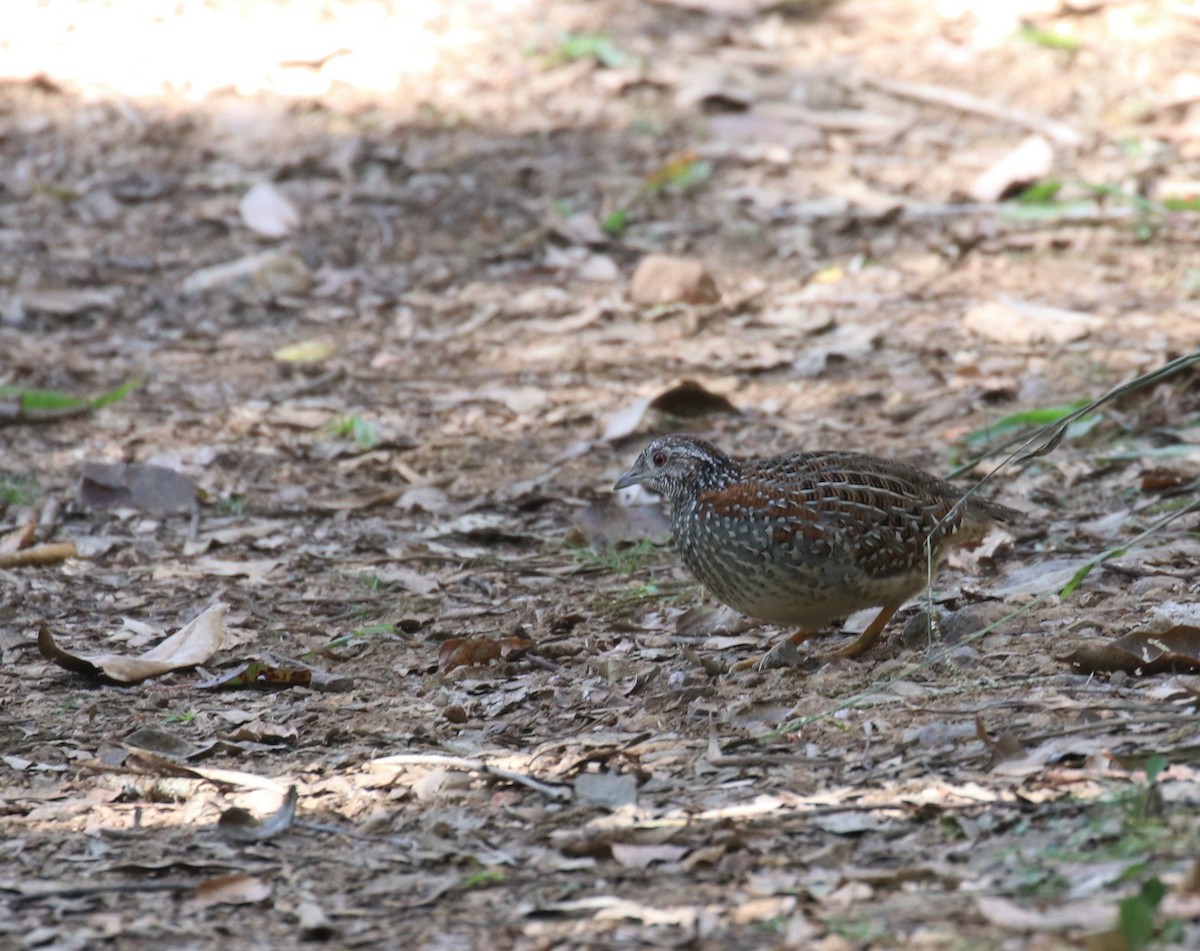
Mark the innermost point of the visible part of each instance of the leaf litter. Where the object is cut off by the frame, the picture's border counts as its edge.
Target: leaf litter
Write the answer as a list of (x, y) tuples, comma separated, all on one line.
[(394, 370)]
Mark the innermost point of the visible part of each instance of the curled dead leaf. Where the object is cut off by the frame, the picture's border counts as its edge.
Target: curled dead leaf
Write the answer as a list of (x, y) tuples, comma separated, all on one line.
[(192, 644), (478, 651), (688, 398), (633, 855), (662, 279), (230, 890), (1142, 653), (239, 825), (1003, 745), (1030, 161), (1159, 478), (267, 211)]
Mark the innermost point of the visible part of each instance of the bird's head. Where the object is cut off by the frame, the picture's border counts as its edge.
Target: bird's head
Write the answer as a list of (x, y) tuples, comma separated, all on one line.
[(677, 466)]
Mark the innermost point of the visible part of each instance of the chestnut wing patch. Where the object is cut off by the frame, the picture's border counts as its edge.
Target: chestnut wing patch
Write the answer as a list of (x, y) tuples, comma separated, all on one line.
[(789, 516)]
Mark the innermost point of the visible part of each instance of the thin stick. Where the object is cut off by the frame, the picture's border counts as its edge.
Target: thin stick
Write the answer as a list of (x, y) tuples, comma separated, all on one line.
[(117, 888), (39, 555), (961, 101), (475, 765)]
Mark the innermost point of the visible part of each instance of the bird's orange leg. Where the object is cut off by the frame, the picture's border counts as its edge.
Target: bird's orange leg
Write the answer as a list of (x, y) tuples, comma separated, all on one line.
[(866, 640), (782, 654)]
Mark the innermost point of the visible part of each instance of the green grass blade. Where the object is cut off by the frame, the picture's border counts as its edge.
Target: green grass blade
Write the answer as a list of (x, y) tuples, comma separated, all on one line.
[(34, 399), (117, 394), (42, 399), (1023, 420)]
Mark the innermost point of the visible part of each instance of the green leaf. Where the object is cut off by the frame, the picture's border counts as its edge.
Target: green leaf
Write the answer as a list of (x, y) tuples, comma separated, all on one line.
[(118, 394), (1047, 211), (1105, 190), (615, 222), (49, 399), (232, 504), (1033, 417), (1153, 891), (487, 876), (1155, 765), (1040, 193), (597, 46), (364, 433), (1077, 579), (35, 399), (17, 489), (380, 628), (678, 174), (691, 174), (1047, 40), (1134, 922)]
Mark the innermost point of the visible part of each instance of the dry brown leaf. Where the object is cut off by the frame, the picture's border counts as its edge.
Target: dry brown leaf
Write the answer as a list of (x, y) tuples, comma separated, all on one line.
[(230, 890), (661, 279), (1030, 161), (752, 132), (1158, 478), (478, 651), (627, 420), (147, 488), (192, 644), (254, 570), (39, 555), (69, 301), (1142, 653), (1003, 746), (238, 825), (688, 399), (267, 211), (1008, 320), (257, 277), (1008, 914), (643, 856), (612, 790)]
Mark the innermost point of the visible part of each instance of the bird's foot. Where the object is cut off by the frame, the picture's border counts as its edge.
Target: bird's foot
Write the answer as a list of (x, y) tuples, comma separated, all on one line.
[(783, 654)]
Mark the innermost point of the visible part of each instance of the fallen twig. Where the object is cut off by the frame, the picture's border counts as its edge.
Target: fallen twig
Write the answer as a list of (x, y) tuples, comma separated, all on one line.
[(39, 555), (117, 888), (475, 765), (961, 101)]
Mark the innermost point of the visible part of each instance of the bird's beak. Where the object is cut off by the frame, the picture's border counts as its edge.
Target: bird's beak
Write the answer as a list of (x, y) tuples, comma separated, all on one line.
[(632, 477)]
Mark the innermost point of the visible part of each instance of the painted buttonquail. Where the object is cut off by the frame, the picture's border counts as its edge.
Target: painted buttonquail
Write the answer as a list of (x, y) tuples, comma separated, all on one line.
[(806, 538)]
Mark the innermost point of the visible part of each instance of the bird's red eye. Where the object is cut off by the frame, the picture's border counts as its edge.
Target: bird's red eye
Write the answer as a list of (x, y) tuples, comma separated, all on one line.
[(660, 459)]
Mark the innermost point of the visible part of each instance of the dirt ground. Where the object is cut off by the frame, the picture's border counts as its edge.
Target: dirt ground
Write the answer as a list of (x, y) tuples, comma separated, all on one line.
[(391, 430)]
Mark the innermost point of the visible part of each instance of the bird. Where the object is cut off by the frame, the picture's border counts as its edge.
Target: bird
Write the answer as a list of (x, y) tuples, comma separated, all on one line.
[(805, 538)]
